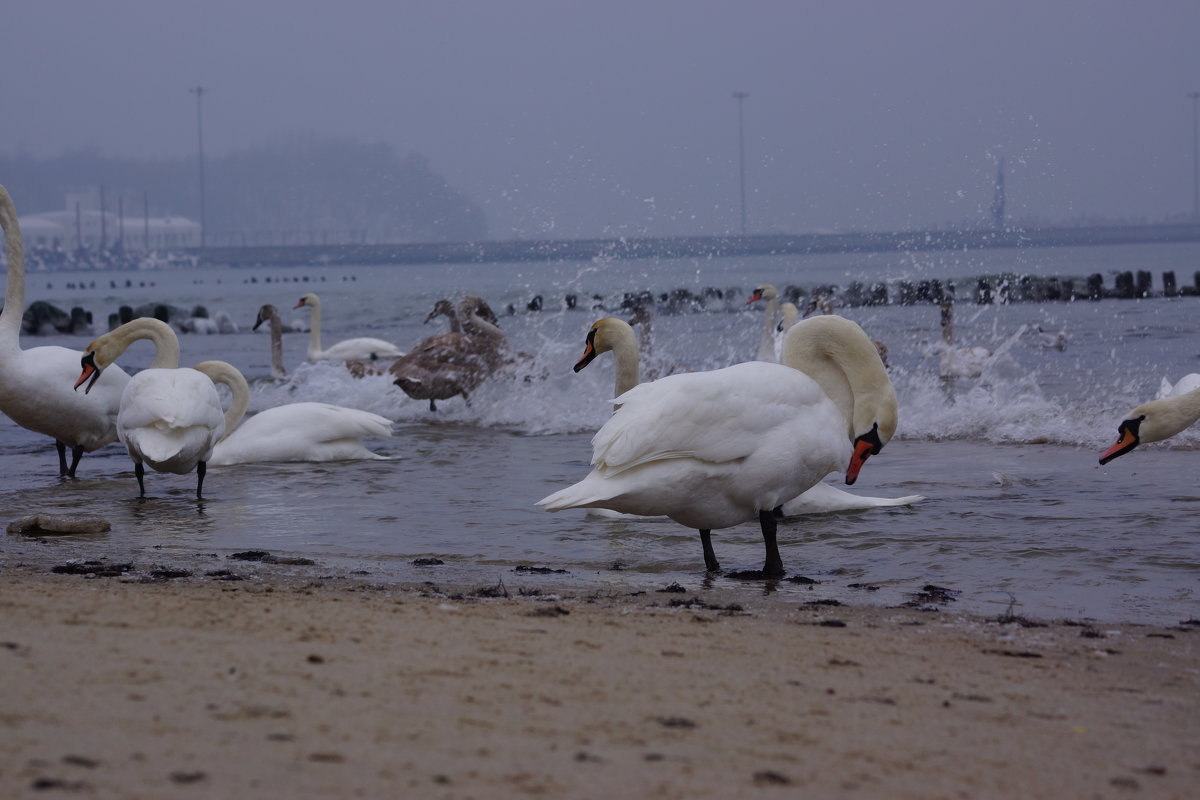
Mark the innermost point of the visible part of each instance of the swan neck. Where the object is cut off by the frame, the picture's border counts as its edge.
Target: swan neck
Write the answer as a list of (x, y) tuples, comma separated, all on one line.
[(226, 373), (625, 354), (277, 368), (766, 343), (14, 293), (314, 327), (841, 358), (166, 343)]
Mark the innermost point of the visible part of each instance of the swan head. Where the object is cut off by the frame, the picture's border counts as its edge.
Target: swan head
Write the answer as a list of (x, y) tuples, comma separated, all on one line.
[(442, 308), (1151, 422), (265, 314), (602, 337), (96, 356), (764, 292), (309, 300)]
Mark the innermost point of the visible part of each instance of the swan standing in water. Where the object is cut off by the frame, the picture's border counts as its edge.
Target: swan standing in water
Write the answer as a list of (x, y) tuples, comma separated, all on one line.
[(295, 432), (170, 418), (715, 449), (766, 342), (363, 348), (1156, 420), (450, 364), (615, 336), (35, 384)]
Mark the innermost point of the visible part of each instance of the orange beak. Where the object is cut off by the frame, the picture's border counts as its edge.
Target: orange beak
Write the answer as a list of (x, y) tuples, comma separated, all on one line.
[(754, 297), (89, 371), (1126, 442), (862, 451)]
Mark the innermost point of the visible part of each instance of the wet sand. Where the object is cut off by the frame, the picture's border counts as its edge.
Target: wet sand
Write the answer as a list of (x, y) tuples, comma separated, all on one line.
[(283, 685)]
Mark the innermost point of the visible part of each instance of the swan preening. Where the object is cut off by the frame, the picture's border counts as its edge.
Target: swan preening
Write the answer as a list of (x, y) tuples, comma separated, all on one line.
[(35, 384), (453, 364), (362, 349), (308, 432), (715, 449), (169, 418), (1158, 419)]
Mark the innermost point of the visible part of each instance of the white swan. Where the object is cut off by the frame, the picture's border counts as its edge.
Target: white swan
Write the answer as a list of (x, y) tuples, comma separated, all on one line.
[(311, 432), (766, 342), (1156, 420), (955, 361), (715, 449), (615, 336), (170, 418), (363, 348), (35, 384), (789, 315), (446, 365)]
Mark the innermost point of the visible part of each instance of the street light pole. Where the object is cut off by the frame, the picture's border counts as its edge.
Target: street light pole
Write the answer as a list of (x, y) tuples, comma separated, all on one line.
[(199, 92), (740, 97), (1195, 96)]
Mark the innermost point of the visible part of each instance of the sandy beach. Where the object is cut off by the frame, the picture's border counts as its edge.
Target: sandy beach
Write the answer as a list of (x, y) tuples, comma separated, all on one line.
[(260, 681)]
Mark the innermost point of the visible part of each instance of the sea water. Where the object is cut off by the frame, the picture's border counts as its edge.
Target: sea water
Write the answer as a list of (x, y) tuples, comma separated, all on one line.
[(1018, 514)]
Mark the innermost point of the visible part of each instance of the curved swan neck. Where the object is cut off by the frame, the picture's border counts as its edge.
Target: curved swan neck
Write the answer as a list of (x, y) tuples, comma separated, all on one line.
[(111, 345), (468, 310), (14, 293), (617, 335), (226, 373), (841, 358)]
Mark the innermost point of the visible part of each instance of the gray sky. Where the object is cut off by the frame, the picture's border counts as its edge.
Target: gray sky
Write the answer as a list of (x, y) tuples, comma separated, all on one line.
[(617, 118)]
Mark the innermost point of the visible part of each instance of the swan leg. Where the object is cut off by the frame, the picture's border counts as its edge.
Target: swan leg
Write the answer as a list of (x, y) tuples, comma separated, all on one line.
[(76, 454), (773, 567), (201, 468), (62, 457), (710, 557), (140, 471)]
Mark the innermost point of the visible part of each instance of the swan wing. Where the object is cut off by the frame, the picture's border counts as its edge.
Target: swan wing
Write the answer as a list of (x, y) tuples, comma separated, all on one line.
[(824, 498), (170, 418), (303, 432), (364, 348), (716, 417)]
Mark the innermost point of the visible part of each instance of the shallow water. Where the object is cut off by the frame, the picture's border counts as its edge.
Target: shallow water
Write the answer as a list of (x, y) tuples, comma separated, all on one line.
[(1018, 511)]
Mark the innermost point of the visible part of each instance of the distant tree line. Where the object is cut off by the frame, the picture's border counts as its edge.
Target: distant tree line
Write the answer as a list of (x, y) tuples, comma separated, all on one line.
[(301, 188)]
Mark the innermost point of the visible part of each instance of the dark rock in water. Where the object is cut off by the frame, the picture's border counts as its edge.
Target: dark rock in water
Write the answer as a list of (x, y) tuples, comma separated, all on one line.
[(43, 319), (540, 570), (39, 524), (96, 568), (427, 562), (250, 555)]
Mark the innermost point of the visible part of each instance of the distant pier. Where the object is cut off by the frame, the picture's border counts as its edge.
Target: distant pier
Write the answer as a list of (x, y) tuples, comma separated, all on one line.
[(690, 246)]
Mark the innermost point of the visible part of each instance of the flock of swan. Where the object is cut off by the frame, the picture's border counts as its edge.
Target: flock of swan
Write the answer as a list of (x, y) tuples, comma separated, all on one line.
[(709, 450)]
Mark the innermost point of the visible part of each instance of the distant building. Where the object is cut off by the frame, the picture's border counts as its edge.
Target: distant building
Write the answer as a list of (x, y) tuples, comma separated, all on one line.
[(83, 225)]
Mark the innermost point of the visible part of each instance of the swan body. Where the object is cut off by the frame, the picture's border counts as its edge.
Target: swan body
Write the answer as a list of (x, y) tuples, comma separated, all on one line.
[(35, 384), (715, 449), (766, 342), (1157, 420), (451, 364), (316, 432), (615, 336), (363, 348), (169, 418)]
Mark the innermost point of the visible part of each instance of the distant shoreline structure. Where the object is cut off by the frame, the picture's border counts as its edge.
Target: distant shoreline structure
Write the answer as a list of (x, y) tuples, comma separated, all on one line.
[(626, 248)]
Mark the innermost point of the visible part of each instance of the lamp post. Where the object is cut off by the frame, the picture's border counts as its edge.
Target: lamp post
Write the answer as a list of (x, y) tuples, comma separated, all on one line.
[(199, 92), (1195, 97), (740, 97)]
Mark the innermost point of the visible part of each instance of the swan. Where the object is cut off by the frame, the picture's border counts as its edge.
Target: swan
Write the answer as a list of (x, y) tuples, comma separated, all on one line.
[(362, 348), (955, 361), (615, 336), (766, 342), (449, 364), (270, 315), (170, 418), (1184, 385), (789, 315), (35, 383), (1156, 420), (292, 432), (715, 449)]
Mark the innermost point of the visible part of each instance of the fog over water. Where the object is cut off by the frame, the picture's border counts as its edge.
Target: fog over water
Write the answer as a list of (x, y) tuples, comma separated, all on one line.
[(618, 118)]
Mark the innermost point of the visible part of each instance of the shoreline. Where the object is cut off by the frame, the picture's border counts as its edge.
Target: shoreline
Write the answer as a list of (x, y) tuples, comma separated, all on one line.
[(282, 684)]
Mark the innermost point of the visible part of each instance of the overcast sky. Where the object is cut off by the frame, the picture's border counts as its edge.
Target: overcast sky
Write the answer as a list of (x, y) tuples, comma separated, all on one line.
[(616, 117)]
